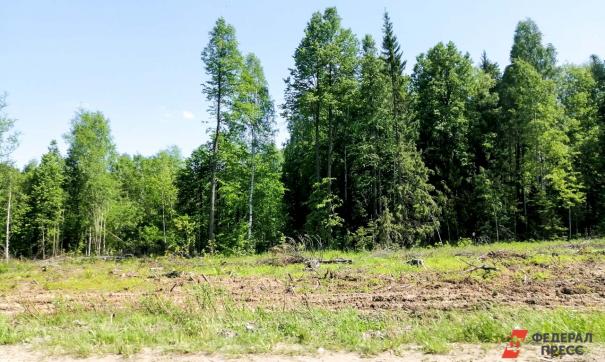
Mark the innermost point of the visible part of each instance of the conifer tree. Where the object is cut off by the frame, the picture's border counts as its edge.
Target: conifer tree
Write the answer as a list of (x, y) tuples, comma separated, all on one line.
[(222, 62)]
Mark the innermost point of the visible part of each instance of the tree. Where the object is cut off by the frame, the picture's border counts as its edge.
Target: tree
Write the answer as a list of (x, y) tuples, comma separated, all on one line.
[(395, 210), (254, 108), (319, 107), (8, 176), (90, 185), (538, 154), (8, 138), (444, 86), (597, 69), (193, 185), (577, 93), (527, 46), (143, 212), (323, 218), (47, 198), (394, 66), (222, 62), (159, 175), (255, 111), (8, 142)]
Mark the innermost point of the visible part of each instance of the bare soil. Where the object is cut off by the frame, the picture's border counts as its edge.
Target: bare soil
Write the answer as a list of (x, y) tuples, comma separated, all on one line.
[(580, 285)]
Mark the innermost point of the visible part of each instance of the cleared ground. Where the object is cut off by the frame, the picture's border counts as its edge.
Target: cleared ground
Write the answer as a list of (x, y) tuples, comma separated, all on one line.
[(234, 306)]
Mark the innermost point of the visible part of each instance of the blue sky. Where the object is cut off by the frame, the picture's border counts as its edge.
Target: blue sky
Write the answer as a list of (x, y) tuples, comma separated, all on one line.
[(139, 61)]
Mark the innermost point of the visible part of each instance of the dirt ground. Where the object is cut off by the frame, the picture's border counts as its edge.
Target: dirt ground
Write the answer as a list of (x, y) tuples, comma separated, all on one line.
[(579, 285), (459, 353)]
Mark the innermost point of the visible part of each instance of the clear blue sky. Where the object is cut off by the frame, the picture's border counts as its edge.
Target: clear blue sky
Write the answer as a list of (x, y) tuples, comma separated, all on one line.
[(139, 61)]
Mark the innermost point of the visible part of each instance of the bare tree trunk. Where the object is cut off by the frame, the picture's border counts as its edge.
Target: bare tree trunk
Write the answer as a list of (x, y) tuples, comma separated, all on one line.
[(569, 220), (104, 235), (330, 149), (251, 195), (89, 242), (8, 223), (97, 234), (214, 168), (55, 240), (346, 196), (43, 244), (317, 117), (497, 225), (163, 218), (317, 166), (330, 138)]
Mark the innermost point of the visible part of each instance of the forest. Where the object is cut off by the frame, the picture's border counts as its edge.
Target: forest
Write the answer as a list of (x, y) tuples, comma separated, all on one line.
[(451, 150)]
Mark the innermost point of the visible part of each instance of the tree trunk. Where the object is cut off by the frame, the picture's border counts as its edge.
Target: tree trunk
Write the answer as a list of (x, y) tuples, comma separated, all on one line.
[(569, 220), (497, 225), (89, 241), (317, 163), (43, 244), (346, 196), (250, 196), (330, 149), (330, 136), (104, 236), (163, 218), (55, 240), (211, 220), (8, 223)]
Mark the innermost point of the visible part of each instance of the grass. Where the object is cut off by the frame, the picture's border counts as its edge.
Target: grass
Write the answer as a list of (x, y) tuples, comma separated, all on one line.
[(204, 326), (208, 319), (82, 274)]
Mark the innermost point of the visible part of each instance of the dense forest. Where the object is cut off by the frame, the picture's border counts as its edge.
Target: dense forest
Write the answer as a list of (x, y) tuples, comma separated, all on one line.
[(379, 155)]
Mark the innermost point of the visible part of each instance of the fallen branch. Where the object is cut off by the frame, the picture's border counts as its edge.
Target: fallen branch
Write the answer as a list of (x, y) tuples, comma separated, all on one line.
[(336, 261), (310, 263), (484, 267)]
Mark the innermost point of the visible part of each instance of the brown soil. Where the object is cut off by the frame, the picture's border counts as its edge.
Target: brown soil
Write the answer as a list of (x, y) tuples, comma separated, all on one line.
[(579, 285)]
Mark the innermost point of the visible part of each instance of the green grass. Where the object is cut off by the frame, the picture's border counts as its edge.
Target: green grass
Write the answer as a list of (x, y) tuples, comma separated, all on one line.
[(210, 323), (208, 320), (80, 274)]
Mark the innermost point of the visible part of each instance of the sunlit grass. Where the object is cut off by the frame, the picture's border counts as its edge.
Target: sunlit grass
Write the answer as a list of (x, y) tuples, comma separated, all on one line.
[(211, 323), (207, 319), (80, 274)]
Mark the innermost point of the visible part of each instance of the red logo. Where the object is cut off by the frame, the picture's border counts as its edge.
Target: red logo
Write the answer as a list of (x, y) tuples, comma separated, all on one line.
[(514, 346)]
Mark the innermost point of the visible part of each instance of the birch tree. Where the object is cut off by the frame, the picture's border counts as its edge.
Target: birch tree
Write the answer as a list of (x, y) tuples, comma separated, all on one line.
[(90, 185), (8, 142)]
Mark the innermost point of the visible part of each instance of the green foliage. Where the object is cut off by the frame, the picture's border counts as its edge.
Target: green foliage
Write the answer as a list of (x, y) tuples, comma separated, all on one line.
[(539, 151), (222, 62), (528, 47), (375, 157), (145, 206), (90, 186), (47, 198), (210, 319), (184, 242), (444, 86), (323, 221), (8, 138)]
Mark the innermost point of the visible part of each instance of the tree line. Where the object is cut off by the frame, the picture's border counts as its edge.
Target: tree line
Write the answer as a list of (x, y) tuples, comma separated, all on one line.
[(377, 155)]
